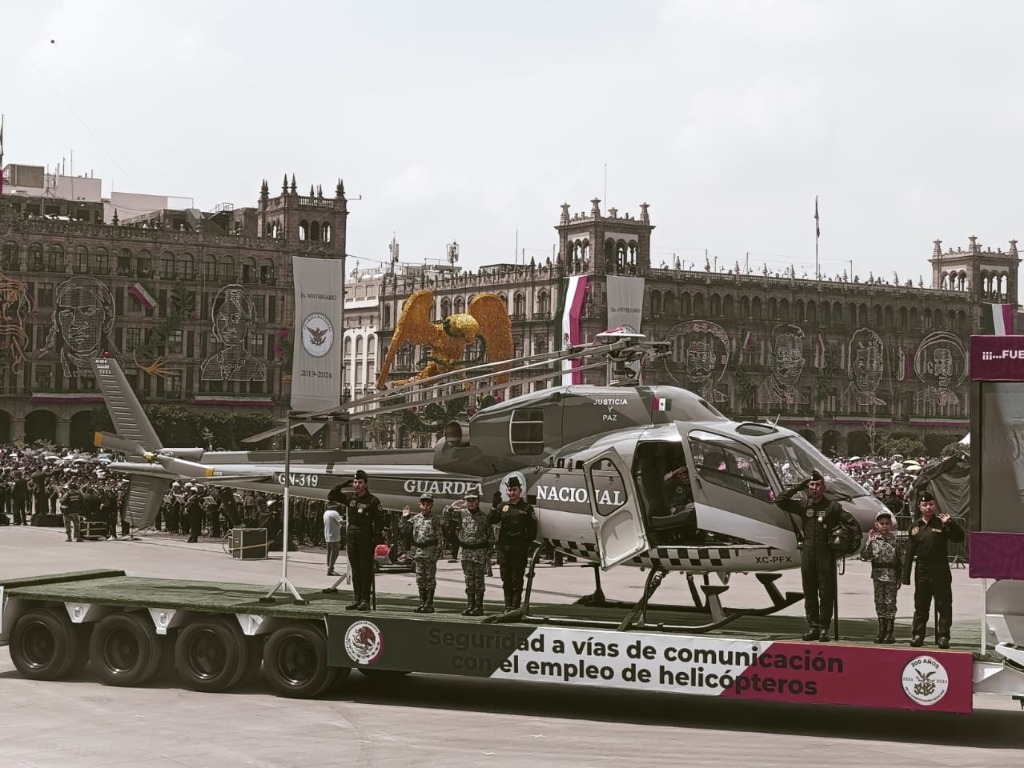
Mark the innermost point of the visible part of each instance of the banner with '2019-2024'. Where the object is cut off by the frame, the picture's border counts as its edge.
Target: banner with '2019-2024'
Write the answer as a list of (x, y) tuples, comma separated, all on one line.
[(317, 351)]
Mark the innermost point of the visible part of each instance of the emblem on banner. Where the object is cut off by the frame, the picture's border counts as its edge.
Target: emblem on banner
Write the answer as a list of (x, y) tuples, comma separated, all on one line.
[(363, 642), (317, 335), (925, 680)]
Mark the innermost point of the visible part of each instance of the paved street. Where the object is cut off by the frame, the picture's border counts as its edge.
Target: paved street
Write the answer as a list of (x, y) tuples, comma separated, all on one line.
[(436, 721)]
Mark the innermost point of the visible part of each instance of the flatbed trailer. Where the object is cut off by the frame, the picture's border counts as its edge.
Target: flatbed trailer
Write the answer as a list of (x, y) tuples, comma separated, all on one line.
[(214, 635)]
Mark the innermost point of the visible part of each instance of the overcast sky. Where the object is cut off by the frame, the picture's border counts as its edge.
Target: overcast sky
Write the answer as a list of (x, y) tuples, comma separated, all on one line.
[(467, 120)]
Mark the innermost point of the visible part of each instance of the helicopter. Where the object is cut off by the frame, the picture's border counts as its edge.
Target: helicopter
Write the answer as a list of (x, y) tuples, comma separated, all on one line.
[(594, 459)]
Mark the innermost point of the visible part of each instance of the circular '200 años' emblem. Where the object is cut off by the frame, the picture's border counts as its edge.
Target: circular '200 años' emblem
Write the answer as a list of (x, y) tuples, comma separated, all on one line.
[(363, 642), (317, 334), (925, 680)]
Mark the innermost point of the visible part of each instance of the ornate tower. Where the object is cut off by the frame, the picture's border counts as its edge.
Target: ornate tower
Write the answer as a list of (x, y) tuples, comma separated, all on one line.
[(989, 276), (604, 245), (311, 222)]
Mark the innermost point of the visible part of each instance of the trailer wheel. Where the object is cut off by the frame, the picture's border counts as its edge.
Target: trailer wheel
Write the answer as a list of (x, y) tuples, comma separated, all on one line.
[(44, 644), (211, 654), (124, 650), (295, 662)]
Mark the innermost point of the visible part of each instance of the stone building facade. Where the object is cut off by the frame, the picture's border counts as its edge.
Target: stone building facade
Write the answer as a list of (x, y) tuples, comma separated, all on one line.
[(198, 307), (837, 360)]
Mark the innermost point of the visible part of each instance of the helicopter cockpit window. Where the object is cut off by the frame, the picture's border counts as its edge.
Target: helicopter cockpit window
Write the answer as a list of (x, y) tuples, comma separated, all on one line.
[(728, 463), (793, 459), (526, 431), (610, 488)]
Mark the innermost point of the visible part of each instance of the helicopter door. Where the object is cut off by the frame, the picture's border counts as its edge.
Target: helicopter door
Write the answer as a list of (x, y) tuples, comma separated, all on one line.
[(732, 495), (615, 514)]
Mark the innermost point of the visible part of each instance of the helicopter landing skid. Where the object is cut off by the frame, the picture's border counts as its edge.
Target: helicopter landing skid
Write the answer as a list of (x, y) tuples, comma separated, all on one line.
[(711, 604)]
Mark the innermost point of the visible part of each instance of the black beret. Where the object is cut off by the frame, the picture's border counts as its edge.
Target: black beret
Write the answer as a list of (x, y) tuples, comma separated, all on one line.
[(925, 496), (361, 475), (513, 482), (816, 475)]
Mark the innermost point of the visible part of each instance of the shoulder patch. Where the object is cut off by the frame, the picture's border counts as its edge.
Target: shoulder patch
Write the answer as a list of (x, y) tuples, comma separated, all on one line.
[(914, 531)]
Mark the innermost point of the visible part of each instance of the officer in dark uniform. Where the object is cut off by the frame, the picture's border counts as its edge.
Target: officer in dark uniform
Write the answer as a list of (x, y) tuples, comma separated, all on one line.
[(928, 540), (816, 519), (518, 530), (364, 516)]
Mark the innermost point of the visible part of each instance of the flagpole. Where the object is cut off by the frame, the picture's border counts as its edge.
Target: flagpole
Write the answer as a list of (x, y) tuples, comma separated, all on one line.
[(817, 237)]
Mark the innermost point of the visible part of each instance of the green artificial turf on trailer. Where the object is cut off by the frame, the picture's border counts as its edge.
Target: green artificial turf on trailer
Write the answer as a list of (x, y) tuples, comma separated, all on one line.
[(115, 589)]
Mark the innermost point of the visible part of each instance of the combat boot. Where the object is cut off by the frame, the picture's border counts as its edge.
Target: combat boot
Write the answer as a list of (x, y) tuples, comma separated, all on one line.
[(508, 599), (470, 603), (517, 599), (890, 627), (478, 604), (423, 602), (812, 633), (428, 605), (823, 634), (880, 637)]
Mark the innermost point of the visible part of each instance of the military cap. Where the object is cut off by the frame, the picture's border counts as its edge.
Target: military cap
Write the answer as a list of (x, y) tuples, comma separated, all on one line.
[(925, 496), (361, 475), (427, 497), (471, 495), (816, 475), (513, 482)]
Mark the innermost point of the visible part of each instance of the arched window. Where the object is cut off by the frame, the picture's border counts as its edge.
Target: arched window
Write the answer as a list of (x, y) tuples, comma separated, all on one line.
[(811, 312), (669, 305), (544, 303), (12, 257), (314, 231), (249, 274), (144, 264), (655, 303), (698, 305), (227, 269), (325, 232), (268, 274), (784, 309), (744, 306), (876, 315), (387, 317), (887, 315), (755, 308), (716, 305), (124, 262), (446, 307), (728, 308), (826, 313), (360, 341), (55, 259), (167, 265), (685, 306), (903, 318), (460, 305), (837, 313), (100, 261), (519, 305), (209, 268), (303, 231), (773, 310), (35, 257), (184, 267)]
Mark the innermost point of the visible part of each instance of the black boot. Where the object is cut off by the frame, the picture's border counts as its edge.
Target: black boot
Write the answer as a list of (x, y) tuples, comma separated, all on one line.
[(478, 604), (812, 633), (517, 599), (470, 604), (823, 634), (428, 605), (890, 627), (880, 637), (508, 599), (423, 602)]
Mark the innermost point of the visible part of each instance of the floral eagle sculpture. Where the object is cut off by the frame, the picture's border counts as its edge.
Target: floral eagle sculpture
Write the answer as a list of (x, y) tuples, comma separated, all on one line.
[(487, 318)]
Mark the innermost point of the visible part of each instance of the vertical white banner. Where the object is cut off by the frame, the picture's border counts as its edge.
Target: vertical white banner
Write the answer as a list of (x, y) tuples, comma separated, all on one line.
[(625, 301), (317, 351)]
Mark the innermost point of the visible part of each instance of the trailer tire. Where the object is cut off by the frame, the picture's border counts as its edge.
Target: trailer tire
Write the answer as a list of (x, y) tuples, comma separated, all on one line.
[(44, 644), (295, 662), (211, 654), (125, 650)]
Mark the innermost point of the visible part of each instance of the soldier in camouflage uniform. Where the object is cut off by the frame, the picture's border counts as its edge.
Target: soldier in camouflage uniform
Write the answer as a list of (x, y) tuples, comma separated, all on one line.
[(426, 541), (474, 537), (885, 554)]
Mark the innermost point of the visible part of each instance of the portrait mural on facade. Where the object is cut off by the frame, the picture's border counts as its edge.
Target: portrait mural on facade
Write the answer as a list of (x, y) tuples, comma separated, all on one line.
[(785, 364), (14, 310), (941, 363), (234, 317), (702, 349), (865, 367), (82, 325)]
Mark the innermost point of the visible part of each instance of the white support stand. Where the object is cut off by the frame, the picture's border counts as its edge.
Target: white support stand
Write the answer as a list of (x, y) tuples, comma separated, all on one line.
[(284, 583)]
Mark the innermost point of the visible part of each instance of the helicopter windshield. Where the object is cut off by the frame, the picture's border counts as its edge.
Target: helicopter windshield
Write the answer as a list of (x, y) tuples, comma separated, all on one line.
[(793, 460)]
